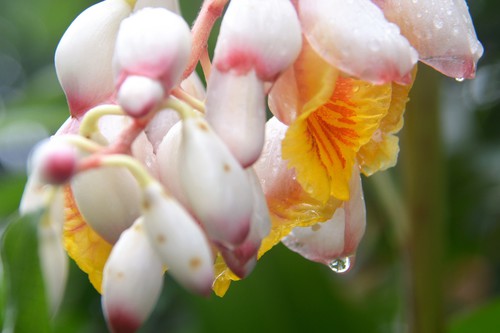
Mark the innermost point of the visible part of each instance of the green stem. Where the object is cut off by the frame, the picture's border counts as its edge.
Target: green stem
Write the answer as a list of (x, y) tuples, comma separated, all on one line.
[(389, 197), (424, 188)]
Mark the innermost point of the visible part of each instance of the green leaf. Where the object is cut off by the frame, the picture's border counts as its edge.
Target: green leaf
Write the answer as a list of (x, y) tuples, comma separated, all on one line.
[(483, 319), (26, 308)]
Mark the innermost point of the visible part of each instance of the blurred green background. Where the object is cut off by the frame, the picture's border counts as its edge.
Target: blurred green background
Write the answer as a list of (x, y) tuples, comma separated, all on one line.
[(286, 293)]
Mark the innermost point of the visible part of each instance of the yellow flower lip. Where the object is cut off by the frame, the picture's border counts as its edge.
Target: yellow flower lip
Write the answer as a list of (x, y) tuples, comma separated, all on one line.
[(322, 144)]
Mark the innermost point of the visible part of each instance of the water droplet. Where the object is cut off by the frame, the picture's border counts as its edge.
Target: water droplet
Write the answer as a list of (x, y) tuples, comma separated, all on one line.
[(459, 79), (438, 22), (340, 265)]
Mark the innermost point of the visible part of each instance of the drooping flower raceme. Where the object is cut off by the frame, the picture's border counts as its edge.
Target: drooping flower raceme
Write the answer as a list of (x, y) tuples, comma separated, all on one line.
[(156, 177)]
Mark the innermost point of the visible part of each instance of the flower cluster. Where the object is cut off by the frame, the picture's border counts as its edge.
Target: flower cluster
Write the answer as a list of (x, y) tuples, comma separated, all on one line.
[(153, 173)]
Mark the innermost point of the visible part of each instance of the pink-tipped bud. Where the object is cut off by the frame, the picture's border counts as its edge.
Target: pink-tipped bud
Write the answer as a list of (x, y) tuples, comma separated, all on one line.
[(54, 161), (138, 95), (236, 109), (179, 240), (336, 239), (242, 259), (132, 281), (153, 42), (247, 42), (247, 54), (84, 55), (215, 184)]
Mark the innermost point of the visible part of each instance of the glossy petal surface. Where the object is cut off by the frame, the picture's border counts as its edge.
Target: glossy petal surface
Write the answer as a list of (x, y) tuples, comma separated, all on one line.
[(441, 31), (355, 37)]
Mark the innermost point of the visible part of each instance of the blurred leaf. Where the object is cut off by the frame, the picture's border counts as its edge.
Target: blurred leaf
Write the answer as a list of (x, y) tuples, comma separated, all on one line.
[(10, 192), (484, 320), (26, 308)]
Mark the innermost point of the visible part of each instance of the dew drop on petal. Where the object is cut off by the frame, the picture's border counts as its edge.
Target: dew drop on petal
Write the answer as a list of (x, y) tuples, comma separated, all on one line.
[(459, 79), (438, 22), (340, 265)]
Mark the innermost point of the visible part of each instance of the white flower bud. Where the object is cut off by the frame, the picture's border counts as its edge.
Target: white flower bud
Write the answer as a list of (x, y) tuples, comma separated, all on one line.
[(168, 164), (179, 240), (237, 112), (132, 280), (243, 258), (108, 199), (264, 35), (84, 55), (155, 43), (138, 95), (172, 5), (215, 185)]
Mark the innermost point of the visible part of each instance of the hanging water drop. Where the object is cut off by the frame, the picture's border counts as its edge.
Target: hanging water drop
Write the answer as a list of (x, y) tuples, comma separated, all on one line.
[(459, 79), (340, 265)]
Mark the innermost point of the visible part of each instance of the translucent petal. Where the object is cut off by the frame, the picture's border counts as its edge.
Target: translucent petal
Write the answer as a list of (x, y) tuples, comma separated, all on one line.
[(305, 86), (355, 37), (441, 31), (339, 236), (381, 152), (223, 277)]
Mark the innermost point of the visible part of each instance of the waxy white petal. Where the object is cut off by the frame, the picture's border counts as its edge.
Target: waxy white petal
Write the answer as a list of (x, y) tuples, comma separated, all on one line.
[(84, 55), (178, 239), (216, 187), (160, 125), (153, 42), (237, 112), (336, 238), (108, 199), (168, 164), (263, 35), (132, 280), (355, 37), (441, 31)]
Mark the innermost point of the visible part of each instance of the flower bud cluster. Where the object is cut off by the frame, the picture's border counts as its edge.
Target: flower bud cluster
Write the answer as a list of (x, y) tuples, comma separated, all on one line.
[(175, 180)]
